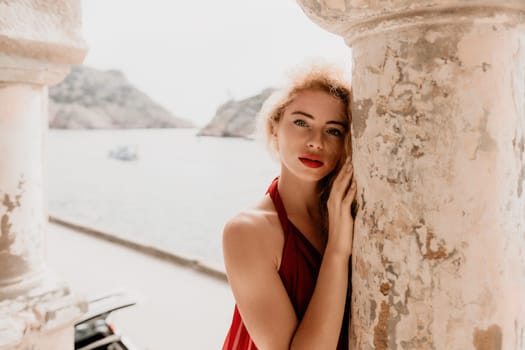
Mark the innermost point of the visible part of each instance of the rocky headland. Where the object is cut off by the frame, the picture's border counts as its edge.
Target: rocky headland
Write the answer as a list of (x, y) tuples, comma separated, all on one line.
[(93, 99), (236, 118)]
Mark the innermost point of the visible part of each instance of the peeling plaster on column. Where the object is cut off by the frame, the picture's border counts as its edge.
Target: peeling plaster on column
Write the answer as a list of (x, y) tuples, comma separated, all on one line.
[(381, 328), (39, 312), (410, 118), (360, 110), (14, 265), (491, 339), (22, 216)]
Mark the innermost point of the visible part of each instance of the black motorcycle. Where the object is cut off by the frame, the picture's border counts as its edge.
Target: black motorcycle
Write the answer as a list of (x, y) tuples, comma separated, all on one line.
[(95, 331)]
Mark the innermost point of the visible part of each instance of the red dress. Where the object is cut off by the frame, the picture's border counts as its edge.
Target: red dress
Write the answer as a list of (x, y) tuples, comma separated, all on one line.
[(299, 269)]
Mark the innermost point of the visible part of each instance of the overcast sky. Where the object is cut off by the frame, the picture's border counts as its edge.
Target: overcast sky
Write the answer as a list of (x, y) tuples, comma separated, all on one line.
[(193, 55)]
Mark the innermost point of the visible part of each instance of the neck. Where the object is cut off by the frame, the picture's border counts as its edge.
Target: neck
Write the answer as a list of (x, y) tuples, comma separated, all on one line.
[(300, 197)]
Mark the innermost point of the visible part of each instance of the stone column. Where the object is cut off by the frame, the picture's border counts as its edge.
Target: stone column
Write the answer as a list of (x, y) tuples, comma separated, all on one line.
[(438, 140), (39, 40)]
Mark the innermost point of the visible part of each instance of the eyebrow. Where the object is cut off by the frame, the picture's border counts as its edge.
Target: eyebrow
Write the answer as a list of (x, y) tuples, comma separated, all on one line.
[(307, 115)]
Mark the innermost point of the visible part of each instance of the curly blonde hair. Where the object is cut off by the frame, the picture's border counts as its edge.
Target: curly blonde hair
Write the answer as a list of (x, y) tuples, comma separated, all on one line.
[(323, 77)]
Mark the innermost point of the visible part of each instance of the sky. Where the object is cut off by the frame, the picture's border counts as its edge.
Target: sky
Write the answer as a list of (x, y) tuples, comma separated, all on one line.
[(193, 55)]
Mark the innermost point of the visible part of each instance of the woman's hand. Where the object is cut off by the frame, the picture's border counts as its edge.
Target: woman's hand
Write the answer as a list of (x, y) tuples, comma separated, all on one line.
[(340, 220)]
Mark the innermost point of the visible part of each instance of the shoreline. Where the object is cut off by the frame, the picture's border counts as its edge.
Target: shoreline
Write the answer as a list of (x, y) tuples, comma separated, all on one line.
[(142, 247)]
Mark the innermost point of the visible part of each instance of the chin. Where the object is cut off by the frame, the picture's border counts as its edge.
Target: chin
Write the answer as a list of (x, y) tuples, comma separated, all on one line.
[(311, 176)]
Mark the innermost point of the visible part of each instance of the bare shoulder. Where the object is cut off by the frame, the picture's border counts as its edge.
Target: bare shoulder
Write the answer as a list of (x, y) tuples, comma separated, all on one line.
[(258, 217), (254, 232)]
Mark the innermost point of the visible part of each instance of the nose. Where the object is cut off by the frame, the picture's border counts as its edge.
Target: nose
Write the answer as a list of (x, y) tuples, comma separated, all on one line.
[(315, 141)]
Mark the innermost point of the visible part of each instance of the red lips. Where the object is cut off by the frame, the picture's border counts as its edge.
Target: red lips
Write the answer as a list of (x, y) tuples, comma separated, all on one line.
[(311, 161)]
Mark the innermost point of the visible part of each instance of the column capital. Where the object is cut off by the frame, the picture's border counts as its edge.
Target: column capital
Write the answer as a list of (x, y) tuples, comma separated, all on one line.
[(355, 19), (39, 40)]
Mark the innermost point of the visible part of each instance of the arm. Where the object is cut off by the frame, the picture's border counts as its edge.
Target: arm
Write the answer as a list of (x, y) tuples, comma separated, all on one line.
[(322, 321), (260, 294)]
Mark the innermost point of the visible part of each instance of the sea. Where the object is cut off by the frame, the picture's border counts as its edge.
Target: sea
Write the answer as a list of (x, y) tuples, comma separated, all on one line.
[(177, 193)]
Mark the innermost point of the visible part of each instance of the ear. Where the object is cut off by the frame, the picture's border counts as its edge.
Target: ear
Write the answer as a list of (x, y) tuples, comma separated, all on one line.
[(273, 138)]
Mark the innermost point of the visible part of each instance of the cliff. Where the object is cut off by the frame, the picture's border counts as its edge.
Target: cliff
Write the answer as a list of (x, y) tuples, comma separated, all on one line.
[(236, 118), (92, 99)]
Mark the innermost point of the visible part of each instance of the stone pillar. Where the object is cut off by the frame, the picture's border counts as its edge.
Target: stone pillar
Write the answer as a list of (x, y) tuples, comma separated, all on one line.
[(39, 40), (438, 140)]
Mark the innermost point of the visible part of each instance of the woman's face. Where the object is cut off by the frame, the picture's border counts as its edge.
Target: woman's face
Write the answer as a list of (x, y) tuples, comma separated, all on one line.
[(311, 133)]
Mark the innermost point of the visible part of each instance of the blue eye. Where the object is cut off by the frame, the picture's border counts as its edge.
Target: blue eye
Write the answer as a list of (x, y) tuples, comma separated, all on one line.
[(300, 122), (335, 132)]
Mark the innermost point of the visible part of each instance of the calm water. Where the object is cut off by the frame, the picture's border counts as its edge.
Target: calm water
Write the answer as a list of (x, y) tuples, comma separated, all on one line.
[(177, 195)]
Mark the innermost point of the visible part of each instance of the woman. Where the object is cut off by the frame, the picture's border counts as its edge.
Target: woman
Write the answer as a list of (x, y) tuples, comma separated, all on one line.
[(287, 258)]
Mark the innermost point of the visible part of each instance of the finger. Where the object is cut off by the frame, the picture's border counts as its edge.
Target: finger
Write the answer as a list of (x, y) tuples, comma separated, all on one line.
[(339, 178), (351, 193), (346, 180), (342, 171), (342, 182)]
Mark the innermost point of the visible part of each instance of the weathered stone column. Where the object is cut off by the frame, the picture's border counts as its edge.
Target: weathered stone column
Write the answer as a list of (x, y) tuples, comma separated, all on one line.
[(438, 141), (38, 41)]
